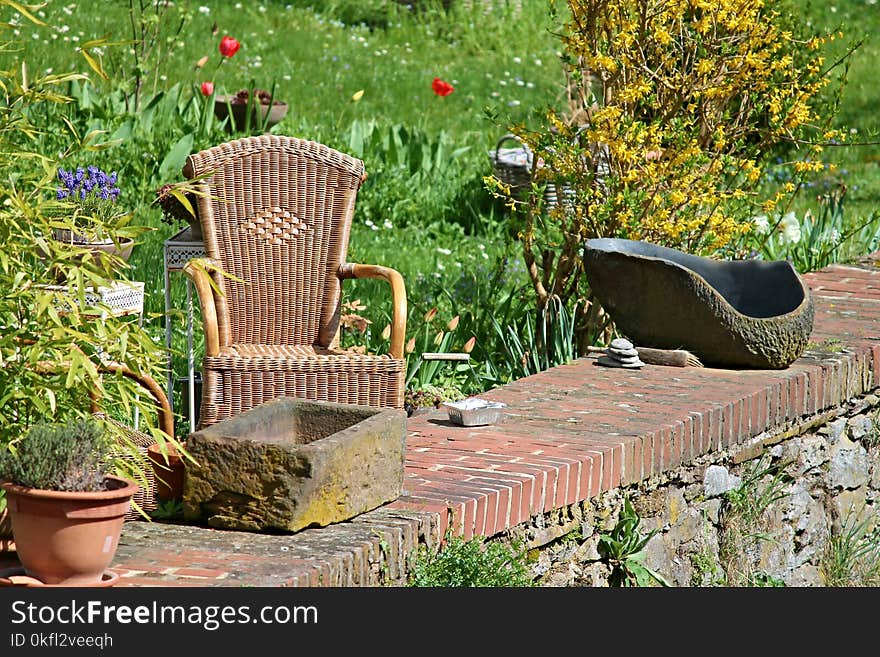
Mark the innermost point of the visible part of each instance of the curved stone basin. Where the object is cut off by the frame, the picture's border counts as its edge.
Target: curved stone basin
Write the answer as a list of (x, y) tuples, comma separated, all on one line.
[(735, 313)]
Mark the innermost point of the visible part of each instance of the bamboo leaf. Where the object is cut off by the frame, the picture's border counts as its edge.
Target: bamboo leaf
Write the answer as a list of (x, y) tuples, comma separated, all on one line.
[(93, 63)]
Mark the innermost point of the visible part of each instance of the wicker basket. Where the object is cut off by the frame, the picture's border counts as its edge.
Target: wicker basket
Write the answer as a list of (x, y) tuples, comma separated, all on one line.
[(513, 167), (145, 498)]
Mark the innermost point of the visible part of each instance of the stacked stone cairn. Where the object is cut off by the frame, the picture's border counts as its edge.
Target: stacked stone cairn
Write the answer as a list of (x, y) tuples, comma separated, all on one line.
[(621, 353)]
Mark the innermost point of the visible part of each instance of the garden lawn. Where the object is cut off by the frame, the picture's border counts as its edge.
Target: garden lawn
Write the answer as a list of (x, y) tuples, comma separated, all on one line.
[(358, 77)]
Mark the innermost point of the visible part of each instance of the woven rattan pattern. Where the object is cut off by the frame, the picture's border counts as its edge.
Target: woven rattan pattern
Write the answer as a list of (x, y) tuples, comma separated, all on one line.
[(274, 225), (145, 497), (276, 215)]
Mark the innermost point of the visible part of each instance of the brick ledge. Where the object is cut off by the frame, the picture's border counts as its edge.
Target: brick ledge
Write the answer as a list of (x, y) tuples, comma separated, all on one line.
[(570, 434)]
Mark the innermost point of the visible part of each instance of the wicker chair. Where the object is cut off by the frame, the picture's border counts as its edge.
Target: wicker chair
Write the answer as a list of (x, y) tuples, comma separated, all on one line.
[(276, 215)]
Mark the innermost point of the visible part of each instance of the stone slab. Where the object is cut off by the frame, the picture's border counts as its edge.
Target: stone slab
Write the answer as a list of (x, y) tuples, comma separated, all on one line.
[(293, 463)]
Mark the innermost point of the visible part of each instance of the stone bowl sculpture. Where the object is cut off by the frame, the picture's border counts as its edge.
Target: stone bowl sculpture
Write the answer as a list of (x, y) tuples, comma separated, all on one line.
[(735, 313)]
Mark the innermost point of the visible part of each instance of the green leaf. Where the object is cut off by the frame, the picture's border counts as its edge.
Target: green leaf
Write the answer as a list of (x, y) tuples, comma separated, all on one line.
[(93, 63), (183, 199), (356, 139), (123, 132), (176, 157)]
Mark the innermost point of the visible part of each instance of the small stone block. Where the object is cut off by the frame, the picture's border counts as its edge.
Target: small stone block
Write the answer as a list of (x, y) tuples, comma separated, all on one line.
[(623, 352), (292, 463)]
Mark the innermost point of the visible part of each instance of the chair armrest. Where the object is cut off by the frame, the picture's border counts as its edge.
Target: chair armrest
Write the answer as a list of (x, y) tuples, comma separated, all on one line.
[(195, 270), (398, 298)]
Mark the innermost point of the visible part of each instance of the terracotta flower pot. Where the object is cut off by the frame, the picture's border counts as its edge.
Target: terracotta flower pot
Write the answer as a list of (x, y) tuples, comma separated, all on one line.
[(6, 542), (238, 120), (169, 474), (68, 538)]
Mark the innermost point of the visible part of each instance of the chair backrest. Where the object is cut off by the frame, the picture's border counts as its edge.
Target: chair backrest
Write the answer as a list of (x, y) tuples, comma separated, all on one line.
[(276, 213)]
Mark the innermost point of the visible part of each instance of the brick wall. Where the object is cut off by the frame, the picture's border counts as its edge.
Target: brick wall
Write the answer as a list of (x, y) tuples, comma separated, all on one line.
[(573, 441)]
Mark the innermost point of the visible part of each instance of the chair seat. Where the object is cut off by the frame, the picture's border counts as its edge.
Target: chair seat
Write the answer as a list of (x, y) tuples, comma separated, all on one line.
[(245, 375), (252, 357)]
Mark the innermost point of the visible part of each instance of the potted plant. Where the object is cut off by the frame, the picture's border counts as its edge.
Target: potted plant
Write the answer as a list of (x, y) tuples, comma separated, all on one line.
[(88, 215), (66, 507), (249, 109), (178, 202), (51, 360)]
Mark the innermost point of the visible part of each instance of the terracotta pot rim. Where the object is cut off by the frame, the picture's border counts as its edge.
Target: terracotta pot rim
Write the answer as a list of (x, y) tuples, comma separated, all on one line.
[(120, 488), (222, 99), (155, 453)]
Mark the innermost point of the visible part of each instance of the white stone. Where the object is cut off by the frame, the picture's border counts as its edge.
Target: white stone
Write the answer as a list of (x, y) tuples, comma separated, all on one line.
[(621, 343), (717, 480)]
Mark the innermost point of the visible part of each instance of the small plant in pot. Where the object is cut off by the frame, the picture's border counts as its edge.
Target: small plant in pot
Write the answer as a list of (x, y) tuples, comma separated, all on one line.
[(250, 109), (66, 508), (178, 203), (87, 215)]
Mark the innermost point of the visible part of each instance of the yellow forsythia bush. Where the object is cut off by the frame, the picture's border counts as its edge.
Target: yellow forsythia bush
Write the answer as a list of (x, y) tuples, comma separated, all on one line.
[(675, 108)]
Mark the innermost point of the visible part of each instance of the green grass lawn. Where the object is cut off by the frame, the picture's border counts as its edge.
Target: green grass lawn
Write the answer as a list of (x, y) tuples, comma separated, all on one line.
[(859, 162)]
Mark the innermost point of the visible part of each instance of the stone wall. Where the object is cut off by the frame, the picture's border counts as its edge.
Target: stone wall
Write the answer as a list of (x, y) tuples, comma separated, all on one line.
[(760, 513)]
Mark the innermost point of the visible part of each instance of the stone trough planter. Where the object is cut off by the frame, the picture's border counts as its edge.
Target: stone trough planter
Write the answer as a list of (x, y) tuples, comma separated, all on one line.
[(735, 313), (293, 463)]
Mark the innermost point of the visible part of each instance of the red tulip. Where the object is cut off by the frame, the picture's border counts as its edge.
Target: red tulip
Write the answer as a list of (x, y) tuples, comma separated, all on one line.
[(207, 88), (229, 46), (441, 87)]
